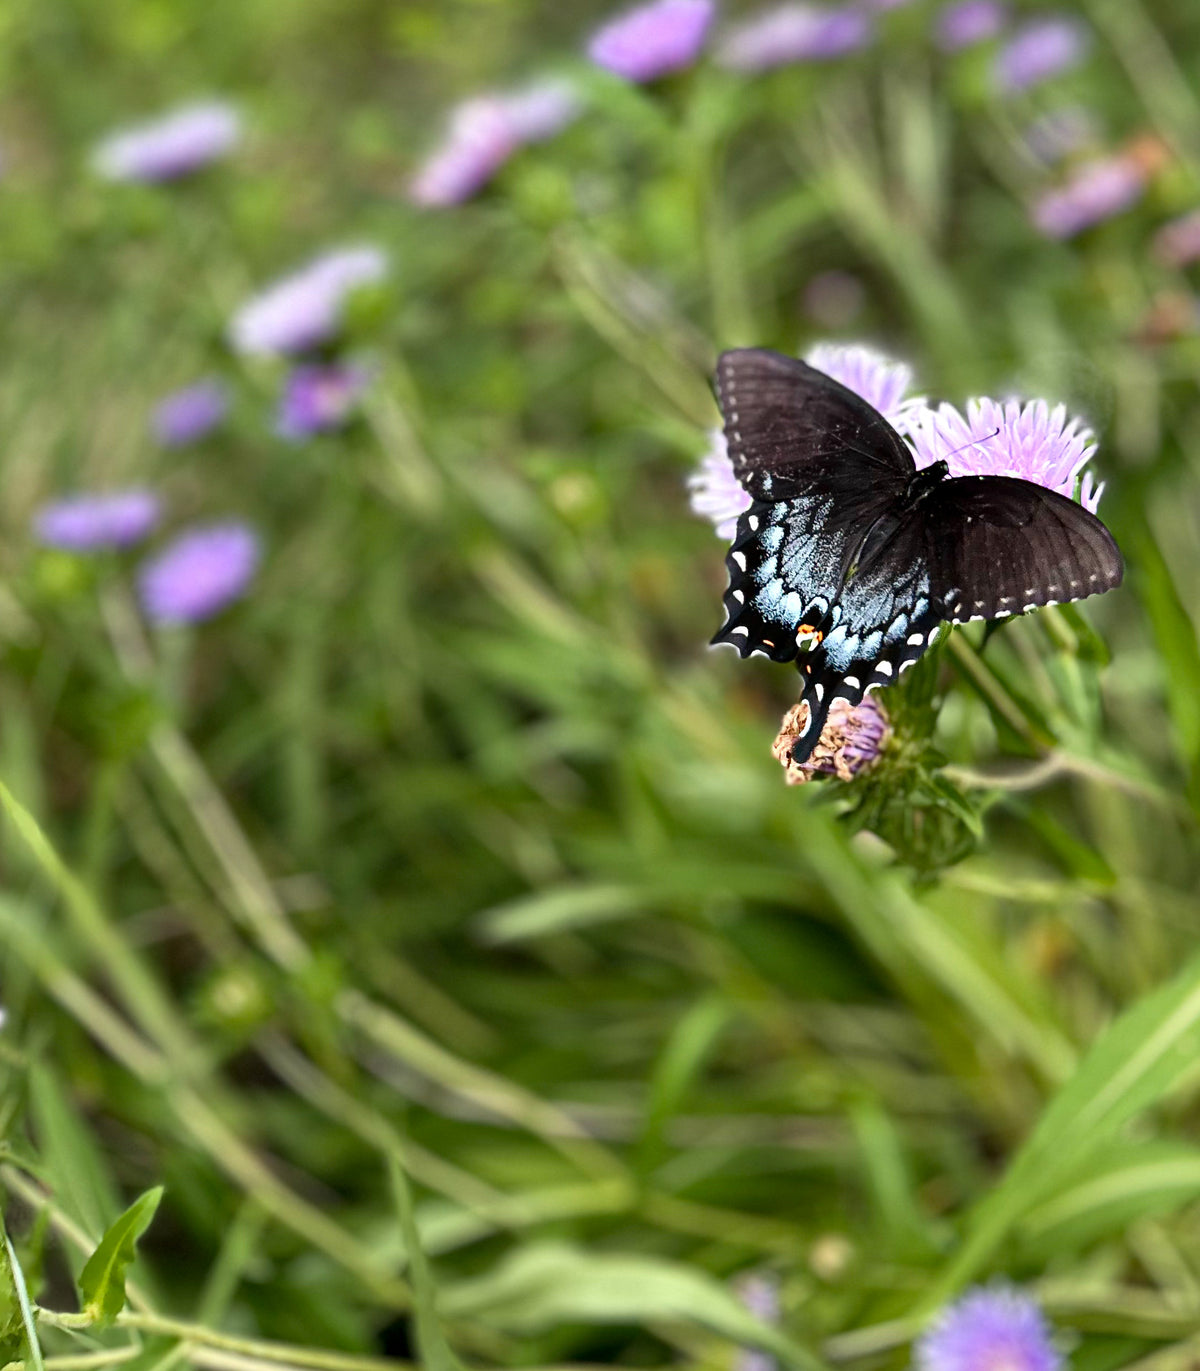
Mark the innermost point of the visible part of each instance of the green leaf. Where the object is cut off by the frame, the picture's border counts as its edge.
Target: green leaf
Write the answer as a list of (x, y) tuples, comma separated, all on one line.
[(17, 1277), (436, 1354), (102, 1280), (545, 1285)]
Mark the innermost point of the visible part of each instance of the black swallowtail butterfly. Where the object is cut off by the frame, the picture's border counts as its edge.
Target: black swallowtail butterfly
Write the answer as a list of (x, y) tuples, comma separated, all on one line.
[(849, 558)]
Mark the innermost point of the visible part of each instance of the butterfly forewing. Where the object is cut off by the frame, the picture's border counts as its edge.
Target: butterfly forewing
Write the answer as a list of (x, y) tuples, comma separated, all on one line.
[(788, 425), (999, 545)]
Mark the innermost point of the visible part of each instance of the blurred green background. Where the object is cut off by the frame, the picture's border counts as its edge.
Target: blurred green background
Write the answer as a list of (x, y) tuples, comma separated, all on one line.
[(451, 847)]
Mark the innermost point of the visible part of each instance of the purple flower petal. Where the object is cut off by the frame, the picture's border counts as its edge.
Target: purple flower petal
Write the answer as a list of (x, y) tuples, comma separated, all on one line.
[(484, 133), (989, 1328), (794, 33), (305, 308), (1029, 440), (968, 23), (180, 142), (882, 382), (653, 40), (1096, 191), (1177, 243), (199, 573), (188, 415), (717, 494), (1040, 49), (318, 398), (91, 523)]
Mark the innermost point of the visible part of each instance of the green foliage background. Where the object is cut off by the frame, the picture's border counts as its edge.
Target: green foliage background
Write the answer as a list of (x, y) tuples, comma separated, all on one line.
[(452, 849)]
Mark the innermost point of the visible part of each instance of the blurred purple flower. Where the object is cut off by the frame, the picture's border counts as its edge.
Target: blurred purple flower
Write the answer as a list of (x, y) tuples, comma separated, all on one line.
[(852, 739), (317, 398), (484, 133), (305, 308), (91, 523), (969, 22), (653, 40), (881, 381), (199, 573), (1010, 438), (1178, 242), (1041, 48), (760, 1295), (187, 415), (794, 33), (181, 141), (989, 1328), (717, 494), (1059, 133), (1096, 191)]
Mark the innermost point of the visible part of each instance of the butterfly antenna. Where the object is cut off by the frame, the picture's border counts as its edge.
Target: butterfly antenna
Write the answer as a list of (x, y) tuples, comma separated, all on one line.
[(974, 442)]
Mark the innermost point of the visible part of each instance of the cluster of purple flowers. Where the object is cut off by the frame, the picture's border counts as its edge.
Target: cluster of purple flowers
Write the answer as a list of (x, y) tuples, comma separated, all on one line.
[(1028, 439)]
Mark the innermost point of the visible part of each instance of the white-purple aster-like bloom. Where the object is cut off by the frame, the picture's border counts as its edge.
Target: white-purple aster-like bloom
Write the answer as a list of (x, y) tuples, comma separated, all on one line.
[(968, 23), (179, 142), (482, 135), (94, 523), (716, 493), (306, 308), (653, 40), (1030, 440), (1096, 191), (994, 1328), (1041, 48), (1177, 243), (199, 573), (881, 381), (318, 398), (187, 415), (794, 33)]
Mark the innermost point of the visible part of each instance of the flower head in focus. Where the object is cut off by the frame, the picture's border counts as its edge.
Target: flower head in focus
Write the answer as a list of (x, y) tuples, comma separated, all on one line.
[(1177, 243), (852, 739), (199, 573), (882, 382), (482, 135), (989, 1329), (305, 308), (1096, 191), (794, 33), (653, 40), (93, 523), (1028, 440), (1041, 48), (969, 22), (187, 415), (318, 398), (179, 142)]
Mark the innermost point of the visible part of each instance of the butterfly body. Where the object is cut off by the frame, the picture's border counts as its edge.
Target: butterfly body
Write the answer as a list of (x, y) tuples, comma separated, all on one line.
[(850, 557)]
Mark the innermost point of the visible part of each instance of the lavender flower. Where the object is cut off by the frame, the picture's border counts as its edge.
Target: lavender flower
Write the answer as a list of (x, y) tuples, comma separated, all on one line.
[(180, 142), (851, 741), (317, 398), (484, 133), (989, 1328), (760, 1295), (882, 382), (305, 308), (653, 40), (190, 414), (1029, 440), (199, 573), (969, 22), (92, 523), (1096, 191), (1040, 49), (1177, 243), (794, 33), (717, 494)]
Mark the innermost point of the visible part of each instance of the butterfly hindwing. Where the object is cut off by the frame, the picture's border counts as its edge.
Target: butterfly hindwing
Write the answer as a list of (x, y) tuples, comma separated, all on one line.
[(999, 545), (788, 425)]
